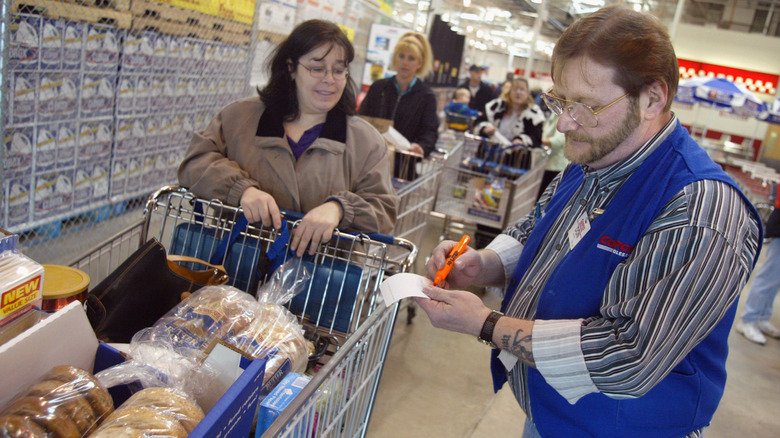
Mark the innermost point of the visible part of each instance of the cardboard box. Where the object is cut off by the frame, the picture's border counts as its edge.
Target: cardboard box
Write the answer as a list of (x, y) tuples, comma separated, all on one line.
[(125, 95), (58, 96), (53, 194), (73, 45), (278, 400), (18, 195), (21, 282), (66, 337), (19, 144), (95, 139), (23, 97), (137, 52), (24, 42), (46, 147), (97, 95), (101, 50), (67, 144), (52, 31), (118, 177)]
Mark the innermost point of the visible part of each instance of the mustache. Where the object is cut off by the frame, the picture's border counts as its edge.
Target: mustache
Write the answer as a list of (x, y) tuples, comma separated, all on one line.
[(577, 137)]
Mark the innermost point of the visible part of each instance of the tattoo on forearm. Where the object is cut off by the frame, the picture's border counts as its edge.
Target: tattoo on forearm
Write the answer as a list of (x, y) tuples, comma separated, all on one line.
[(519, 345)]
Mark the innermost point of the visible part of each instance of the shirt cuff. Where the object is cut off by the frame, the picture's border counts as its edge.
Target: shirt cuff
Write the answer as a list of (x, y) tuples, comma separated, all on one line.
[(508, 250), (558, 357)]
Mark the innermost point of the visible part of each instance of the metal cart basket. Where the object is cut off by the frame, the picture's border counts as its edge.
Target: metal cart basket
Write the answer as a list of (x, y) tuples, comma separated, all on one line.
[(491, 184), (415, 180), (342, 306)]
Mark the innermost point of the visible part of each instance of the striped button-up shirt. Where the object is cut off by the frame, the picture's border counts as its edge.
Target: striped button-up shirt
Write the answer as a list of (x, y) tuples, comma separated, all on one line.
[(679, 281)]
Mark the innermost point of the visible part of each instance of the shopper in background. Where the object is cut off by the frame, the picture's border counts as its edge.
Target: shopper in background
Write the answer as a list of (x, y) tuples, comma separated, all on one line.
[(404, 98), (307, 153), (754, 323), (481, 91), (460, 104), (553, 139), (514, 115), (621, 288)]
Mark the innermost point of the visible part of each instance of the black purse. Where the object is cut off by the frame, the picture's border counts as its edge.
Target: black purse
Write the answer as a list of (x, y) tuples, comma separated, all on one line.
[(144, 288)]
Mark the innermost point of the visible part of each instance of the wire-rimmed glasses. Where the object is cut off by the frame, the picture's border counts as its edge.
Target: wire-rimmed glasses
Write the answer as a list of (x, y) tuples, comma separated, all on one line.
[(583, 114)]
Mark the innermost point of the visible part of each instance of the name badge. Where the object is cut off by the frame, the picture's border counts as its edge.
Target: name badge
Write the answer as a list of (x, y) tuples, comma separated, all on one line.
[(578, 230)]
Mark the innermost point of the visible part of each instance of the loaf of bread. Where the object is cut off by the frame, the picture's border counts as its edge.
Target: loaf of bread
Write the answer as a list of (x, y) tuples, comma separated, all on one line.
[(141, 422), (169, 401), (261, 330), (66, 402)]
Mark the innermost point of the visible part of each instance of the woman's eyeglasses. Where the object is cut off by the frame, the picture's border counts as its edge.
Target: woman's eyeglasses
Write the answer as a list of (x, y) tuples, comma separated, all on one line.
[(583, 114), (339, 73)]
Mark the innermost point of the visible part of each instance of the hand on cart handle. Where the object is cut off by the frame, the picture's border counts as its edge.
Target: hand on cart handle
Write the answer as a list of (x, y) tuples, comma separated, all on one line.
[(260, 206), (464, 270), (316, 227)]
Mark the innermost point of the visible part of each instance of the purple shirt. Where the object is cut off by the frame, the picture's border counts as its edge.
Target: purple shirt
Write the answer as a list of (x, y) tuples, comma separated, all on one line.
[(306, 140)]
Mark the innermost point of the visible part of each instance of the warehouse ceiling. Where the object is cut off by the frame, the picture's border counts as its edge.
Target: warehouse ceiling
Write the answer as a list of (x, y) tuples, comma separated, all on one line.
[(507, 25)]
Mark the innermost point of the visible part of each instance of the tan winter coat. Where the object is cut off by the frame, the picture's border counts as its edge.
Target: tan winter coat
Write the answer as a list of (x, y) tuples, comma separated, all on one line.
[(244, 146)]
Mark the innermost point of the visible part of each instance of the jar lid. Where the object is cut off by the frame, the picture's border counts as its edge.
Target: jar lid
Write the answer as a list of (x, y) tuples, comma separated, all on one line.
[(63, 281)]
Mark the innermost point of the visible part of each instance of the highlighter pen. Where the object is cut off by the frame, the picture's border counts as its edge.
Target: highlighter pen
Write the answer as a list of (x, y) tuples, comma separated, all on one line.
[(459, 249)]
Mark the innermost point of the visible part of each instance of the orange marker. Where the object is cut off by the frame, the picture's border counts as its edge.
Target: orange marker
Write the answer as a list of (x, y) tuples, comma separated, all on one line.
[(456, 252)]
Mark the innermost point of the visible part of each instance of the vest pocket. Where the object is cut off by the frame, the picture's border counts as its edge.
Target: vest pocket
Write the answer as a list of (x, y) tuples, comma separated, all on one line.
[(674, 402)]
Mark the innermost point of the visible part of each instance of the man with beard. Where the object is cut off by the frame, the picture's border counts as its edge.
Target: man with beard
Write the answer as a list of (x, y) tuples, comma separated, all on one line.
[(621, 286)]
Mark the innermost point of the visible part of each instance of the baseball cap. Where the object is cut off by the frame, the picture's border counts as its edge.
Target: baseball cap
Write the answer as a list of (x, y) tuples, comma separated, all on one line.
[(475, 67)]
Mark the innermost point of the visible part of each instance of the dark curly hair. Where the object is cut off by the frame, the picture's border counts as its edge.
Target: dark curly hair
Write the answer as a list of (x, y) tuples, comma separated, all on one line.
[(279, 93)]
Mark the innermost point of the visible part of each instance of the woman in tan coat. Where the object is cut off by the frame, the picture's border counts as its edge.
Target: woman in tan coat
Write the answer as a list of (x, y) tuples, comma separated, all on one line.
[(298, 146)]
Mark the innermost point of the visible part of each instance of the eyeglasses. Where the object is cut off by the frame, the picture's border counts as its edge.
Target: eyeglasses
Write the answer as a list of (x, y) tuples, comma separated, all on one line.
[(583, 114), (339, 73)]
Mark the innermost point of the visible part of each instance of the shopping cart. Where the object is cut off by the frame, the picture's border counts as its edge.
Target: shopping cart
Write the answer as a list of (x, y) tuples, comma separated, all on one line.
[(349, 366), (491, 184), (417, 194)]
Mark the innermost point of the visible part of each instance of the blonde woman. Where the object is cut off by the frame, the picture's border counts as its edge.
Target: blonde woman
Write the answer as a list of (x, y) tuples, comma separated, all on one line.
[(514, 115), (404, 98)]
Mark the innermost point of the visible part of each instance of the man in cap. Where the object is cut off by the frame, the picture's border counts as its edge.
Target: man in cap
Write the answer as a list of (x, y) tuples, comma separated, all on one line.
[(481, 92)]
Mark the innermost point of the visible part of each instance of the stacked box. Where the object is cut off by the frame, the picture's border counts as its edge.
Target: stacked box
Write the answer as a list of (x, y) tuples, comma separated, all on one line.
[(125, 95), (137, 52), (24, 42), (100, 182), (18, 195), (101, 50), (53, 194), (46, 147), (18, 149), (58, 95), (22, 94), (52, 41), (97, 95), (94, 141), (82, 186), (67, 144), (117, 178), (73, 45)]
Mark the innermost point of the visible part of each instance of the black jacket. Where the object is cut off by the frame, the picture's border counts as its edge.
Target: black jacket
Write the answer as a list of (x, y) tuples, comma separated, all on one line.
[(413, 115), (484, 95)]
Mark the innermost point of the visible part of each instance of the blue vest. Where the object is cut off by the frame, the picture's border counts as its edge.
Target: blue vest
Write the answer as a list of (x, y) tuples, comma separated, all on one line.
[(686, 399)]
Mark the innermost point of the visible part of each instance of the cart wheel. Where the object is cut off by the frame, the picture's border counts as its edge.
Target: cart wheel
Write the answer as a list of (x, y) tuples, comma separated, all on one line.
[(411, 311)]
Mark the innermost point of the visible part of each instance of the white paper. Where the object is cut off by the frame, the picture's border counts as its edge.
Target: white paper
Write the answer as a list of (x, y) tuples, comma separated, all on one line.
[(396, 139), (401, 286)]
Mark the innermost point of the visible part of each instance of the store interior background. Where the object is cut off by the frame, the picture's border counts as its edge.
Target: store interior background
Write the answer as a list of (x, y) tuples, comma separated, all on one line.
[(436, 383)]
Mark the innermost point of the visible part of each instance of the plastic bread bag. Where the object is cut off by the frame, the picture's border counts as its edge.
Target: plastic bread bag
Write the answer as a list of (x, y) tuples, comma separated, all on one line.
[(66, 401), (285, 282), (153, 411), (172, 352)]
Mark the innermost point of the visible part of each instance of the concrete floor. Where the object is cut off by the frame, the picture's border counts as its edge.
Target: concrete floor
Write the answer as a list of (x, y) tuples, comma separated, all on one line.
[(437, 383)]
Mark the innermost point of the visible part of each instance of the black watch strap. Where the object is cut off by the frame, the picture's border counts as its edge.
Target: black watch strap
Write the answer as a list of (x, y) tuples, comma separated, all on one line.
[(486, 334)]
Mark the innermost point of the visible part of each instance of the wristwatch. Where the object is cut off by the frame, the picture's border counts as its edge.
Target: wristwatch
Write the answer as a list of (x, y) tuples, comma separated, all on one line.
[(486, 334)]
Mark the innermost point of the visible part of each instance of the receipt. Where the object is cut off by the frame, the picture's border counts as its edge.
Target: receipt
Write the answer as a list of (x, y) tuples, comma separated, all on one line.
[(401, 286)]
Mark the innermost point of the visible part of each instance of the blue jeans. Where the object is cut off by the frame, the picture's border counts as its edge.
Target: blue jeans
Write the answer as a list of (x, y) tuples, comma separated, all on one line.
[(529, 431), (758, 305)]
